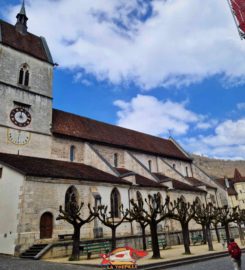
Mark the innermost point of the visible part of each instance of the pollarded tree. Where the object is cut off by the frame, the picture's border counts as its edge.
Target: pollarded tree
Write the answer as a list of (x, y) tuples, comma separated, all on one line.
[(72, 214), (239, 215), (143, 223), (184, 212), (151, 212), (204, 214), (225, 216), (109, 219)]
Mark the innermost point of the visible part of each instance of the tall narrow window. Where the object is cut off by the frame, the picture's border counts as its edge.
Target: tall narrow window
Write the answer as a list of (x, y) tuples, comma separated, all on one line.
[(72, 153), (21, 76), (149, 165), (24, 75), (1, 172), (139, 199), (71, 198), (115, 203), (26, 78), (115, 160), (174, 166), (186, 171)]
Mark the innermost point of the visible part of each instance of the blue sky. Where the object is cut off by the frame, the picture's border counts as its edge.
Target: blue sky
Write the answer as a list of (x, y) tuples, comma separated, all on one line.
[(161, 67)]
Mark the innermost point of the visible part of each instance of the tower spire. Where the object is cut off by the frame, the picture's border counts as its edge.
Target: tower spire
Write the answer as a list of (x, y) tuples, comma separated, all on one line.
[(21, 24)]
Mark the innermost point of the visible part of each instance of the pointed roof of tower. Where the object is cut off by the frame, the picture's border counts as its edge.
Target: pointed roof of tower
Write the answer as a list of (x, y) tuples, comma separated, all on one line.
[(23, 9)]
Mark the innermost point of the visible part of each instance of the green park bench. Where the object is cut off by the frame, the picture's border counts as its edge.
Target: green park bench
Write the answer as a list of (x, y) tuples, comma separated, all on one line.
[(161, 242), (95, 248), (197, 239), (65, 236)]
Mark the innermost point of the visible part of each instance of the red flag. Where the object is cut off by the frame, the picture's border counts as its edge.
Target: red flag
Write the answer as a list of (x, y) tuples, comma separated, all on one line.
[(238, 7)]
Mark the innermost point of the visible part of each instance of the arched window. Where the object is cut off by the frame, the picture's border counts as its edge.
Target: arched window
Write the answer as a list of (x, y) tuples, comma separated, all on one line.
[(115, 203), (24, 75), (71, 198), (183, 198), (139, 198), (198, 201), (21, 76), (26, 83), (149, 165), (186, 171), (72, 153), (115, 160)]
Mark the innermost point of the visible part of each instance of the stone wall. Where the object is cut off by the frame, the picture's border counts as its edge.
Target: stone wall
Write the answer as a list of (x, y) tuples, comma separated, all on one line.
[(218, 168)]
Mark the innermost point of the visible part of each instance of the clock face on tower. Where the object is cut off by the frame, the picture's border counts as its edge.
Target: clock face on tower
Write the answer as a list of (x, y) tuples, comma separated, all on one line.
[(18, 137), (20, 117)]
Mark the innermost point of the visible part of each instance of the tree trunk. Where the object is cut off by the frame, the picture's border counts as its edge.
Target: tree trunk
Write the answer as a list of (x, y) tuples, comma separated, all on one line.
[(209, 238), (154, 241), (143, 236), (217, 232), (241, 234), (113, 238), (75, 256), (186, 238), (204, 234), (227, 232)]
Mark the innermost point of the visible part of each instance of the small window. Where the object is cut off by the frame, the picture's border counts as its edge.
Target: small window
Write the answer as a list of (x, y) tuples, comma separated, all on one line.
[(149, 165), (115, 160), (72, 153), (186, 171), (1, 172), (174, 166), (24, 75)]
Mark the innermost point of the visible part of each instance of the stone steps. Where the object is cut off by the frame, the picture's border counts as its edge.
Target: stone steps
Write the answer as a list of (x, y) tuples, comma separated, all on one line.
[(32, 252)]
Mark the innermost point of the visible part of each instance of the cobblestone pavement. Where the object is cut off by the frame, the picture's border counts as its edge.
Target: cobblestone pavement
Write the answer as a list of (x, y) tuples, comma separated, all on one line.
[(223, 263), (10, 263)]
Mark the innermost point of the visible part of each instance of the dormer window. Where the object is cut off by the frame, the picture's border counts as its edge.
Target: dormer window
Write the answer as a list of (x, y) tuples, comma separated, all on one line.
[(24, 75)]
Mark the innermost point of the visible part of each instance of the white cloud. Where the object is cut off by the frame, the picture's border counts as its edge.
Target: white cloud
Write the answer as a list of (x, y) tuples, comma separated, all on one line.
[(228, 141), (182, 42), (150, 115)]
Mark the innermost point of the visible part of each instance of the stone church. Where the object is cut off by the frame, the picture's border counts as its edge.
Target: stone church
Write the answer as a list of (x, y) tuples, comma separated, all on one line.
[(47, 154)]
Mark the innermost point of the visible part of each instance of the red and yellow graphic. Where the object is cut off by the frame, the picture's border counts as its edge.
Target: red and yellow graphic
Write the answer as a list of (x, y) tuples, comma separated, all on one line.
[(122, 258)]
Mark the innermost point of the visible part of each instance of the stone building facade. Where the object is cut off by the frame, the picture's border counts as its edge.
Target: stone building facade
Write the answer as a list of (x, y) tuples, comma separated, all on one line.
[(46, 153)]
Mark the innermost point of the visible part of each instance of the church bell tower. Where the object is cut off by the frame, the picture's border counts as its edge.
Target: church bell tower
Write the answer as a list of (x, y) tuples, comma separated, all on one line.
[(26, 75)]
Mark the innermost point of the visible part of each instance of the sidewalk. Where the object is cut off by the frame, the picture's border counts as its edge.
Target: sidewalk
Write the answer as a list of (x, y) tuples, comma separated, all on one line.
[(168, 255)]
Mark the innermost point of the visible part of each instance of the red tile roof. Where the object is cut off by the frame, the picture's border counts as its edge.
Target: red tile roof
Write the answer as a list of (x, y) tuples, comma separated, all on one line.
[(71, 125), (162, 177), (238, 178), (231, 189), (182, 186), (40, 167), (197, 183), (124, 171), (146, 182), (29, 43)]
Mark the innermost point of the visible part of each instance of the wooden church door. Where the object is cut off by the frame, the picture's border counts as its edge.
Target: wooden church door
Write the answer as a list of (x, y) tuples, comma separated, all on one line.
[(46, 226)]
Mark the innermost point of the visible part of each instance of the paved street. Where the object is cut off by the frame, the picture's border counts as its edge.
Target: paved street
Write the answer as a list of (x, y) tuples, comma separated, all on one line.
[(9, 263), (217, 264)]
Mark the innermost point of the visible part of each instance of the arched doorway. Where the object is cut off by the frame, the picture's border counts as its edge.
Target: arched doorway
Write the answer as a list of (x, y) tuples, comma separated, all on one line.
[(46, 225)]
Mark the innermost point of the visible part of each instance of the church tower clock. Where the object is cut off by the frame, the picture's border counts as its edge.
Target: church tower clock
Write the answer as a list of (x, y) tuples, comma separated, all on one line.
[(26, 74)]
